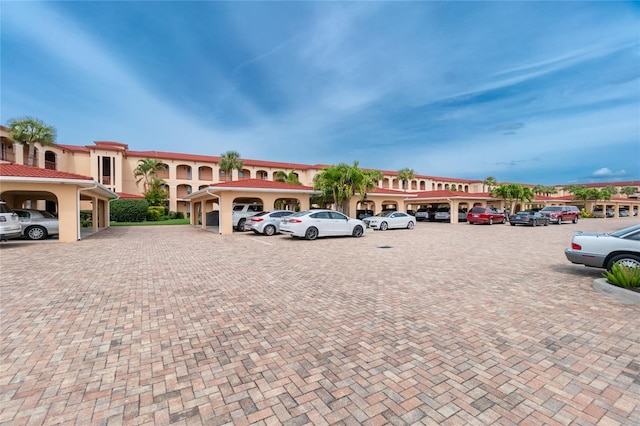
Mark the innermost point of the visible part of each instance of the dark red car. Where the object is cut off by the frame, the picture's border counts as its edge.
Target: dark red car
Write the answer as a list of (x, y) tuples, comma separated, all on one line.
[(487, 215)]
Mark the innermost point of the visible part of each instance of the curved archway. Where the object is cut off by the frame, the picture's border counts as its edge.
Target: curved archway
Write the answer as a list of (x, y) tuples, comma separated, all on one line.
[(50, 158)]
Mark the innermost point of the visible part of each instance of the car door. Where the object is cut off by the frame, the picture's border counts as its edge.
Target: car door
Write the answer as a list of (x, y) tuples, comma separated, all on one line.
[(339, 224), (398, 220), (323, 222)]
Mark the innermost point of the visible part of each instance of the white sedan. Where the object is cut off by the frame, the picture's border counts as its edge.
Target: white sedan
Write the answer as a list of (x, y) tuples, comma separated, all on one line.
[(312, 224), (389, 220), (603, 250)]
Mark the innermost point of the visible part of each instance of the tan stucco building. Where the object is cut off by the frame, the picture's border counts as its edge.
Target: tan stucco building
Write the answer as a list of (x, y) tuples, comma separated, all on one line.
[(196, 184)]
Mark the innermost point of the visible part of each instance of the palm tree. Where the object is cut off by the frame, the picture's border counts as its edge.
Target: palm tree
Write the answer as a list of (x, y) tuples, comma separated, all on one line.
[(539, 189), (549, 190), (405, 175), (29, 131), (629, 191), (291, 177), (339, 183), (146, 172), (229, 161), (490, 182)]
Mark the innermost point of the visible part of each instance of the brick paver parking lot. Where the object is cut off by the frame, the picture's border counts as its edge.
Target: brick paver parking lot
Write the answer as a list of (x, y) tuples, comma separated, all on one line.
[(444, 324)]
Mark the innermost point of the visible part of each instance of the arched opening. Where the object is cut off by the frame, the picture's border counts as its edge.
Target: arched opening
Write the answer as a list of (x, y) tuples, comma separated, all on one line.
[(183, 172), (163, 171), (183, 190), (50, 160), (292, 204), (205, 173), (244, 174), (389, 205), (423, 185), (37, 212), (262, 174)]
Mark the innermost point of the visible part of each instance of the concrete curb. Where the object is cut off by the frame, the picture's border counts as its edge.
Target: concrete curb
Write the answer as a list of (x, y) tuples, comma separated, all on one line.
[(627, 297)]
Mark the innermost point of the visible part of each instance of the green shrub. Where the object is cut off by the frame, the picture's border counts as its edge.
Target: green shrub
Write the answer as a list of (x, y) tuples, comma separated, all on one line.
[(155, 213), (125, 210), (179, 215), (86, 215), (623, 276)]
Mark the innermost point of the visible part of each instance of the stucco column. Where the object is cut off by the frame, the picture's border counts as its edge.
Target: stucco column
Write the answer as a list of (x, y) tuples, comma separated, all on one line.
[(18, 150), (173, 197), (95, 215), (454, 212)]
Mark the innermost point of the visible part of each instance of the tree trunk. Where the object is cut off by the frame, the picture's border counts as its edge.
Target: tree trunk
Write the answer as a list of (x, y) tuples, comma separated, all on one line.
[(32, 151)]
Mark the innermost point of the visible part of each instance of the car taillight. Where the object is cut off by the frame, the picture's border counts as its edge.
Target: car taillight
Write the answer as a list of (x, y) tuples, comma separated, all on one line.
[(294, 221), (258, 219), (3, 219), (575, 246)]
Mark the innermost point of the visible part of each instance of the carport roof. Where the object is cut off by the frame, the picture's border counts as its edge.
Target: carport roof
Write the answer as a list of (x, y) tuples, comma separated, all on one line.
[(11, 172), (252, 185), (20, 170)]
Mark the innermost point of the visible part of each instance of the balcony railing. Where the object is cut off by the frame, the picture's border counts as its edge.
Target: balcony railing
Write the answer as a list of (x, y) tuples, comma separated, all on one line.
[(106, 180), (51, 165)]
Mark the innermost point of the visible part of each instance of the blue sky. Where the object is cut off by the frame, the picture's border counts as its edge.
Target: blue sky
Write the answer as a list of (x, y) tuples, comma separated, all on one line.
[(532, 92)]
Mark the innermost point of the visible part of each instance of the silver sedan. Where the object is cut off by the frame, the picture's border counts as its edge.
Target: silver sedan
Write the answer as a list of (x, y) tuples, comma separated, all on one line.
[(603, 250), (267, 223), (389, 220), (37, 224)]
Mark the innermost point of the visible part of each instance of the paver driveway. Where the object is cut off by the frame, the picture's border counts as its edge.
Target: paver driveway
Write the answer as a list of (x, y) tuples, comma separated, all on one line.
[(452, 324)]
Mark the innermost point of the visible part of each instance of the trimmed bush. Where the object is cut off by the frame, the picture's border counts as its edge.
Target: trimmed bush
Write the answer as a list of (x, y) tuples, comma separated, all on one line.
[(124, 210), (155, 213)]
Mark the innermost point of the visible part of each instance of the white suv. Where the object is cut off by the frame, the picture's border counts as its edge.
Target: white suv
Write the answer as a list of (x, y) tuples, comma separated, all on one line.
[(242, 211), (10, 226)]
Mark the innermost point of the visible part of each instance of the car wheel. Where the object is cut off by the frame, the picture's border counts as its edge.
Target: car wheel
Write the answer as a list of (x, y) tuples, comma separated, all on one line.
[(240, 226), (513, 224), (490, 221), (358, 231), (311, 234), (269, 230), (628, 260), (575, 219), (384, 226), (36, 233), (504, 220), (546, 222), (533, 222), (410, 225), (560, 220)]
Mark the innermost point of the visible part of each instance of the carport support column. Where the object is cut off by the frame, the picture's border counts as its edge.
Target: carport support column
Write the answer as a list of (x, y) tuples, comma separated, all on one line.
[(226, 213)]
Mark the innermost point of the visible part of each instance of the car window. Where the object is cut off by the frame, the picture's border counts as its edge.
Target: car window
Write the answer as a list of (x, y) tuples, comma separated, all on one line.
[(477, 210), (320, 215), (282, 214), (336, 215), (47, 215), (23, 214), (4, 208), (237, 208), (255, 208)]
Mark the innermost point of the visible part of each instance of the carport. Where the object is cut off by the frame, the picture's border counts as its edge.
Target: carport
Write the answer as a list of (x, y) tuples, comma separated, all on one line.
[(381, 199), (20, 184), (455, 199), (225, 193)]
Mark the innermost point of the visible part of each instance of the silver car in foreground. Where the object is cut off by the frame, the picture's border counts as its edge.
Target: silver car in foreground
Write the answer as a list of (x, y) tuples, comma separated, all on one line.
[(311, 224), (389, 220), (267, 223), (37, 224), (603, 250)]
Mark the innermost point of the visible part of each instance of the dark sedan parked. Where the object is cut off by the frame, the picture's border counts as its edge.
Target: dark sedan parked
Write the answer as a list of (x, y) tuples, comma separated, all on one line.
[(528, 217)]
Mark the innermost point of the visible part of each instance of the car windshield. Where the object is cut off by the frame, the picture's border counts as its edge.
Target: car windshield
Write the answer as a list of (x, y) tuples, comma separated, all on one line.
[(552, 209), (625, 231), (47, 215), (260, 214), (525, 212), (477, 210), (384, 214)]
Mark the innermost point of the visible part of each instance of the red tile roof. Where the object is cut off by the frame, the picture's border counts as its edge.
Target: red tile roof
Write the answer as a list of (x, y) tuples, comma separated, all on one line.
[(446, 193), (387, 191), (130, 196), (19, 170), (73, 148), (261, 184)]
